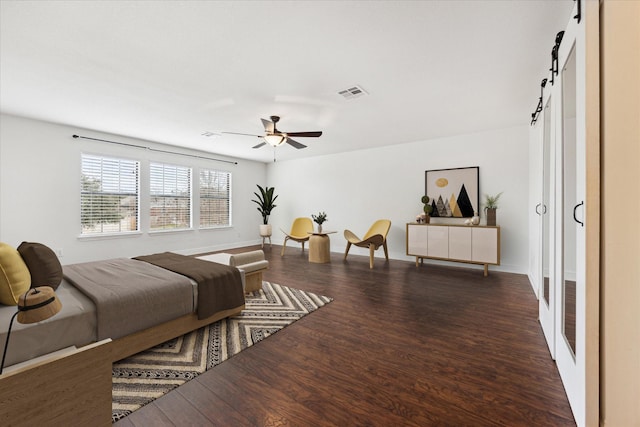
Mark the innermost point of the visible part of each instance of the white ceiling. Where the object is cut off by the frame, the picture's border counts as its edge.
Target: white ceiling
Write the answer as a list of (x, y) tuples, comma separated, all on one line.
[(167, 71)]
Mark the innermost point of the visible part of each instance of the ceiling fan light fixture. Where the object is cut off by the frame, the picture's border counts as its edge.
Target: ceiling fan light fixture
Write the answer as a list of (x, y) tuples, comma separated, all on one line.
[(275, 140)]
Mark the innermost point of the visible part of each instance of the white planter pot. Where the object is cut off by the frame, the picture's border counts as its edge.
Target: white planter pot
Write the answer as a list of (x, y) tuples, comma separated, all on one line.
[(265, 230)]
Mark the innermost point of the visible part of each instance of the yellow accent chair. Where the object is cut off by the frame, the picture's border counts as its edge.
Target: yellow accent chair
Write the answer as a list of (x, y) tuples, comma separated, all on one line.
[(375, 237), (300, 230)]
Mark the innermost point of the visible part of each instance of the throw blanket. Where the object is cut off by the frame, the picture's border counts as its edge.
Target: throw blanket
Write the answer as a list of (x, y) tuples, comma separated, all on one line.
[(131, 295), (219, 286)]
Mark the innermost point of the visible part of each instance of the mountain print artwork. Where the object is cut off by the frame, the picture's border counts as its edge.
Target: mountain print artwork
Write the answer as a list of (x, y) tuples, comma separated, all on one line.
[(454, 192)]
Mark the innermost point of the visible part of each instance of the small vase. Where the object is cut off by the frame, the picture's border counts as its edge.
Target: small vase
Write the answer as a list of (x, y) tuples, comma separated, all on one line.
[(319, 228), (475, 220)]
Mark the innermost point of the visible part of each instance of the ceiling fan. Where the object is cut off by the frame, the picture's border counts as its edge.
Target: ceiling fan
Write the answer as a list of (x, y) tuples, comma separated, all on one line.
[(276, 138)]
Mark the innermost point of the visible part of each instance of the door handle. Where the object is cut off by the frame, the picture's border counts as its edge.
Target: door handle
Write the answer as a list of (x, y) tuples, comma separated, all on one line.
[(544, 209), (574, 213)]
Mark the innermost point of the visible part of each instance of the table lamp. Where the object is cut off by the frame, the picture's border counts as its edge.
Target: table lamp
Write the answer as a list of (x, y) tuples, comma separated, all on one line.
[(35, 305)]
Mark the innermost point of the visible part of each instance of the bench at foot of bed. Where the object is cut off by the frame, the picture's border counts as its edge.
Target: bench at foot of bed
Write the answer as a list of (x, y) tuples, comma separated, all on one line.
[(251, 265)]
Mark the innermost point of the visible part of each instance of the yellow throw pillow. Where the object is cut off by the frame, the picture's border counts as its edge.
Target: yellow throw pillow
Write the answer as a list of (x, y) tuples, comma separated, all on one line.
[(15, 278)]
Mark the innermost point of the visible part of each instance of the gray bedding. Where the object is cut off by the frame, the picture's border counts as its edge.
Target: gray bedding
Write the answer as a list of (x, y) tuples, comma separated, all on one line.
[(219, 286), (131, 295), (74, 325)]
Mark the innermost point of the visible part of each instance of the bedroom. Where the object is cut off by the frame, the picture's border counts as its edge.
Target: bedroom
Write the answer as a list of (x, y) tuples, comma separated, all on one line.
[(56, 181)]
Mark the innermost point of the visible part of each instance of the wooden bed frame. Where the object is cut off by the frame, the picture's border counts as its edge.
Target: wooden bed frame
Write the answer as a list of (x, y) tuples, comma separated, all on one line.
[(71, 389), (75, 388), (143, 340)]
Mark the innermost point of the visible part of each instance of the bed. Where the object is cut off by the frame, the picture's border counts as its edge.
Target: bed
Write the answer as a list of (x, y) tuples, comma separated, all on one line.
[(136, 303), (72, 386)]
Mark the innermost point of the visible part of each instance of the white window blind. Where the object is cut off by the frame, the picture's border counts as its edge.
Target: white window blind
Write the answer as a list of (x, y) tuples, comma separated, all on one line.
[(170, 187), (109, 196), (215, 198)]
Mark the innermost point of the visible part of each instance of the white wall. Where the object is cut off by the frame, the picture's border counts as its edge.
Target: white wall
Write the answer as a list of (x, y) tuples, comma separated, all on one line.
[(354, 189), (40, 200), (359, 187)]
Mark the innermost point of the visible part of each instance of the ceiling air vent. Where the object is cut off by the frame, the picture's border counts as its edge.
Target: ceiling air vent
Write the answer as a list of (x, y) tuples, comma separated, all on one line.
[(352, 92), (208, 134)]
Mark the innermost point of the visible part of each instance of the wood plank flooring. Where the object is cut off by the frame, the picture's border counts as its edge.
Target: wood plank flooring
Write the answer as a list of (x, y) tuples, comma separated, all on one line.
[(400, 345)]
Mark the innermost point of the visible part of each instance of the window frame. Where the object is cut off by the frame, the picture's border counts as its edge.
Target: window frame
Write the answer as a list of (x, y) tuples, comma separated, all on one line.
[(85, 167), (202, 197), (152, 195)]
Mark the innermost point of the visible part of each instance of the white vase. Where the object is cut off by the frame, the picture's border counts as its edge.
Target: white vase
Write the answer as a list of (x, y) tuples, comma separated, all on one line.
[(475, 220), (265, 230), (319, 228)]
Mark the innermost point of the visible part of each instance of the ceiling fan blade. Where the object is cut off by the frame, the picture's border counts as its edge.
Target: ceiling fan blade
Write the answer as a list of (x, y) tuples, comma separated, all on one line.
[(259, 145), (295, 144), (244, 134), (269, 127), (305, 134)]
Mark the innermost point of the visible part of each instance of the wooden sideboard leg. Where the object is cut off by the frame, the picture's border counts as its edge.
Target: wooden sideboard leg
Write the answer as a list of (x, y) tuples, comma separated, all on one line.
[(417, 258), (486, 270)]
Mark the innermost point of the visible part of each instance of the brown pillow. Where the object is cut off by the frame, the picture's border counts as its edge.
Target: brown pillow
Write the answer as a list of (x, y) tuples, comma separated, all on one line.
[(43, 264)]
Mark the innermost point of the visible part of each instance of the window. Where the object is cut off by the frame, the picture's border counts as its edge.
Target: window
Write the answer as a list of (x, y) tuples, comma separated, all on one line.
[(215, 198), (109, 197), (170, 197)]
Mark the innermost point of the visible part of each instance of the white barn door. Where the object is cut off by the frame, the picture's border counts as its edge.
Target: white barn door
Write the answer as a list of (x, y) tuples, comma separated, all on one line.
[(564, 315)]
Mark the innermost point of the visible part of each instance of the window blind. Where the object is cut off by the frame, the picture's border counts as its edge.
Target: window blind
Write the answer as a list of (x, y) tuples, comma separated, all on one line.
[(215, 198), (109, 196), (170, 197)]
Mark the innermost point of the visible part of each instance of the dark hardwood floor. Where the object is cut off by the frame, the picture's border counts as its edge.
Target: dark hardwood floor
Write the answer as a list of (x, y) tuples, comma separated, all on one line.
[(398, 346)]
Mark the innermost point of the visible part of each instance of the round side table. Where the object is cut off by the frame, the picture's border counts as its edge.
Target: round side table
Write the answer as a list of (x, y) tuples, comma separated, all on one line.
[(319, 247)]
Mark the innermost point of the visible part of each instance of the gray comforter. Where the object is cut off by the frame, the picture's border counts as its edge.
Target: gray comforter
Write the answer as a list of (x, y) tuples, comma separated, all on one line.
[(131, 295)]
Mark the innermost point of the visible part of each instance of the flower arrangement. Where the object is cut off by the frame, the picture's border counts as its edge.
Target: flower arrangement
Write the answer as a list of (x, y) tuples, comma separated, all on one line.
[(425, 215), (427, 207), (490, 206), (491, 202), (320, 218)]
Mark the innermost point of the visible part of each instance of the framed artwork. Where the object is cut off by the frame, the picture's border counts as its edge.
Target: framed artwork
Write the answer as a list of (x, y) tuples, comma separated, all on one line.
[(454, 193)]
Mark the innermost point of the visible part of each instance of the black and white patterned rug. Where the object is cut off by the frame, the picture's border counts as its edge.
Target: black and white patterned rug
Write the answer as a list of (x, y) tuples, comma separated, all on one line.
[(148, 375)]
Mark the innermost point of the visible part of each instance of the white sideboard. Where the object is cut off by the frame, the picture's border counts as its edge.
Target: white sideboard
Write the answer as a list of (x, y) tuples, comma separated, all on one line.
[(462, 243)]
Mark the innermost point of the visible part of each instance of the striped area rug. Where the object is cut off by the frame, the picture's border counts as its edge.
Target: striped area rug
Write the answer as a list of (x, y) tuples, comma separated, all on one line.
[(146, 376)]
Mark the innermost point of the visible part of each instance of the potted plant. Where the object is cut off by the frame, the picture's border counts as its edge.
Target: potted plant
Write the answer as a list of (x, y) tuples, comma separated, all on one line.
[(319, 219), (265, 204), (490, 206), (427, 209)]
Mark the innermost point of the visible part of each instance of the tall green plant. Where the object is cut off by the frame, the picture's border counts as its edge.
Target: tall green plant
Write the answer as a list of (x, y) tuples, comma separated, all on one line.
[(265, 202)]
